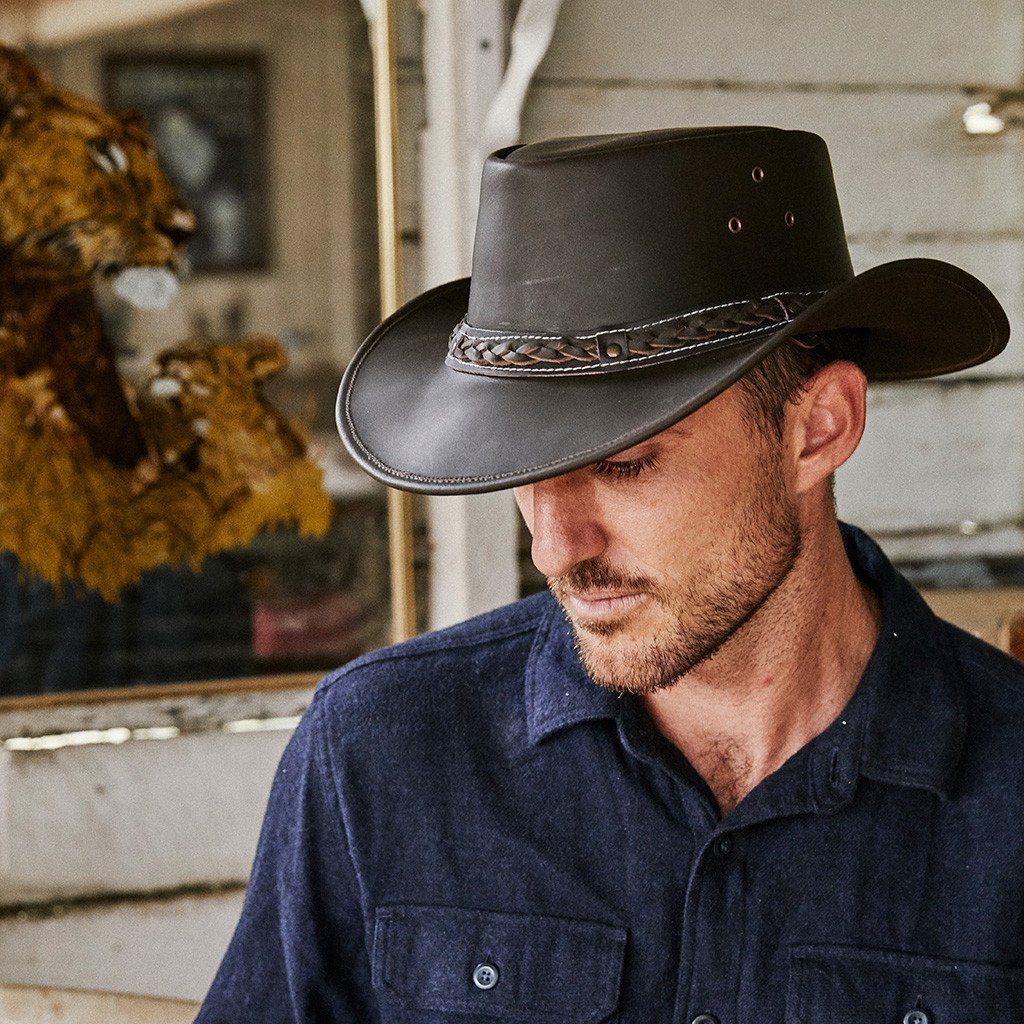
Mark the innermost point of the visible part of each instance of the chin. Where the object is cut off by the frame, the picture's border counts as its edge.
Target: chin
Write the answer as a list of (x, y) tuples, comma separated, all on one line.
[(614, 660)]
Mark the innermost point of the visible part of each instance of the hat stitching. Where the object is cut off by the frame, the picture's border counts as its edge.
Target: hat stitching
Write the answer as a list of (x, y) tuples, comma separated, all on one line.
[(399, 474)]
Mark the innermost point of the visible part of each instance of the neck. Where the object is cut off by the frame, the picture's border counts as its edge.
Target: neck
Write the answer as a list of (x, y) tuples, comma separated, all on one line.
[(781, 679)]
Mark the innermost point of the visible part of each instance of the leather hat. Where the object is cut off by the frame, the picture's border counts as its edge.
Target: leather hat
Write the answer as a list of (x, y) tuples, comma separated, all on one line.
[(620, 282)]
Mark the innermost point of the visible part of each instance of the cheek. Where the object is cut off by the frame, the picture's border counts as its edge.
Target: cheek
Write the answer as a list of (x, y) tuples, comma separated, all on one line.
[(686, 518), (652, 528)]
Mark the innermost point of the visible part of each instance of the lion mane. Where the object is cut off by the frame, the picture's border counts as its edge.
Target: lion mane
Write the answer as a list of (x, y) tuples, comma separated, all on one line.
[(101, 478)]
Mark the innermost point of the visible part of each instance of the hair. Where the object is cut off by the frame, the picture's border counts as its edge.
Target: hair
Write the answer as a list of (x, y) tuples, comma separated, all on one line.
[(783, 374)]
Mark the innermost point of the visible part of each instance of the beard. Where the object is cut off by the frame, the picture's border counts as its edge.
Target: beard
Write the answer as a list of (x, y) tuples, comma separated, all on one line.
[(724, 588)]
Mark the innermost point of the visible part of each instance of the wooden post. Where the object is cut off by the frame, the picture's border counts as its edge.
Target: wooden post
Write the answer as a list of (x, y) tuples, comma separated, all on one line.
[(403, 594)]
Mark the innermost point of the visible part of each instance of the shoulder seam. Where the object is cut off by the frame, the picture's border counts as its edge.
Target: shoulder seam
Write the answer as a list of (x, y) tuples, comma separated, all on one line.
[(967, 659), (385, 656)]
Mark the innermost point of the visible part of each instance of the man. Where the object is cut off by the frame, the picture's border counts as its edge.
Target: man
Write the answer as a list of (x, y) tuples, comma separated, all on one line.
[(731, 770)]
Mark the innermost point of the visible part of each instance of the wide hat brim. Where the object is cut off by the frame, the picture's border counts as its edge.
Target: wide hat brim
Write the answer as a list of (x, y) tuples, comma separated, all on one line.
[(418, 424)]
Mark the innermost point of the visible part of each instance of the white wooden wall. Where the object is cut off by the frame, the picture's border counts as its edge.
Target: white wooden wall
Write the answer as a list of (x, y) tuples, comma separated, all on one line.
[(123, 865), (886, 86)]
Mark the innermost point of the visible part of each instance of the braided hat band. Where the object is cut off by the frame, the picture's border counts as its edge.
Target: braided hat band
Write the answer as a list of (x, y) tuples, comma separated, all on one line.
[(501, 353)]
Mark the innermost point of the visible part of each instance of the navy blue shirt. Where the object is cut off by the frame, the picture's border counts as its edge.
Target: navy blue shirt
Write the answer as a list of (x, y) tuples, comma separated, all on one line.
[(465, 828)]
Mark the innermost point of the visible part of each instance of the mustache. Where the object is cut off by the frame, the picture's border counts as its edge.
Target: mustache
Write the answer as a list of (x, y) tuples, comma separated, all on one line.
[(596, 574)]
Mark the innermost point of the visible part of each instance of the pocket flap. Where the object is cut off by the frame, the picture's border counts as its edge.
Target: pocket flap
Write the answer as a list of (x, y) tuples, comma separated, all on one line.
[(851, 985), (535, 967)]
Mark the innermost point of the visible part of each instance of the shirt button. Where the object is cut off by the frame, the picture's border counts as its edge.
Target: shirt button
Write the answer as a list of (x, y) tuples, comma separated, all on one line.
[(723, 847), (916, 1017), (485, 976), (705, 1018)]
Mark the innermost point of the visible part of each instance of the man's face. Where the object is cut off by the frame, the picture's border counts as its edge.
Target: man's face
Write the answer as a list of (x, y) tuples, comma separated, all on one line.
[(662, 552)]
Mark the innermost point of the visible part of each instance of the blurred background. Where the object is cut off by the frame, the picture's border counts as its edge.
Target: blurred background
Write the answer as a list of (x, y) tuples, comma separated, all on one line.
[(140, 734)]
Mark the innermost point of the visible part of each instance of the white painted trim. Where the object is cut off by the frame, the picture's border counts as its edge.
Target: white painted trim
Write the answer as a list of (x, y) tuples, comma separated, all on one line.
[(445, 251), (5, 813), (532, 33), (60, 22), (192, 713), (473, 106)]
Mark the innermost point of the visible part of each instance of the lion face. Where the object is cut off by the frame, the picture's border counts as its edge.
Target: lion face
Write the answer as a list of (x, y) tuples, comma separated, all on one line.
[(80, 187), (207, 398)]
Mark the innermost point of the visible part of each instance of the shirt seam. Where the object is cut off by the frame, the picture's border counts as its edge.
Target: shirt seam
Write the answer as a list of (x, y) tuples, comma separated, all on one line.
[(898, 776), (542, 633), (390, 655), (993, 677), (327, 769)]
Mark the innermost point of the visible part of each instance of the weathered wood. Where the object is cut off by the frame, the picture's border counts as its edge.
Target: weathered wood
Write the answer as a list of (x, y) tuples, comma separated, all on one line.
[(166, 947), (902, 162), (925, 41), (142, 816), (191, 707), (996, 615), (938, 457), (31, 1005)]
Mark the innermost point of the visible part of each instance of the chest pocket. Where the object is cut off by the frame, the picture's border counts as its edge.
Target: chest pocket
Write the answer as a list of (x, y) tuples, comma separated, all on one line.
[(852, 985), (486, 964)]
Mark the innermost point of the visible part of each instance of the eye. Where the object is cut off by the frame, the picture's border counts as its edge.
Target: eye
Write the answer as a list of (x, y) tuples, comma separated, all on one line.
[(108, 156), (626, 469)]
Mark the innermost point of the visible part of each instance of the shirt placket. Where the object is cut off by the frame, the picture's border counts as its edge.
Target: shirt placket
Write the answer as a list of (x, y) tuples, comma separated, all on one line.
[(713, 924)]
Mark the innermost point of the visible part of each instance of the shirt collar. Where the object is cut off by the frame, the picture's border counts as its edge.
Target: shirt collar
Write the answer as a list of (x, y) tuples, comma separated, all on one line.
[(905, 723), (916, 719), (559, 693)]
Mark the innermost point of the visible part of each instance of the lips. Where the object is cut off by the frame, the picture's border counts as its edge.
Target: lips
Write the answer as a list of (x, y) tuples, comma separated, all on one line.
[(603, 605)]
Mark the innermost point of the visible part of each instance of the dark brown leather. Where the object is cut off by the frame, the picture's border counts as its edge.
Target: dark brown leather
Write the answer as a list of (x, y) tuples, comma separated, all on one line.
[(583, 244), (579, 235)]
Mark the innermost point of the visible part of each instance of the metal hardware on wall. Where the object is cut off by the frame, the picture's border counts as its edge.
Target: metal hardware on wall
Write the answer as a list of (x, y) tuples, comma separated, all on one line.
[(385, 115), (994, 113)]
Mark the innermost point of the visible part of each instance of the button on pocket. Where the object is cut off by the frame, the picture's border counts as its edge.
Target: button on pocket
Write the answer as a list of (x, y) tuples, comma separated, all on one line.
[(485, 976), (853, 985), (488, 964)]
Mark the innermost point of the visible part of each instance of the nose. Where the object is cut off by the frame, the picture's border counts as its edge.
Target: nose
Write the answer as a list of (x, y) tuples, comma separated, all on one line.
[(565, 525)]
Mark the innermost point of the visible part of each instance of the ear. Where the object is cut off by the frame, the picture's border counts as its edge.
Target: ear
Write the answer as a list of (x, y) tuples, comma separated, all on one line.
[(826, 423), (20, 82), (266, 356)]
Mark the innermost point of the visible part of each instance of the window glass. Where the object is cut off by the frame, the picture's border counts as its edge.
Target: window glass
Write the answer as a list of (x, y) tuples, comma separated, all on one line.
[(195, 517)]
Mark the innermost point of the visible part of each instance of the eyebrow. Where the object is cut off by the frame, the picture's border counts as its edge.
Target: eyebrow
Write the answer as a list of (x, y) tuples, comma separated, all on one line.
[(676, 430), (634, 451), (680, 428)]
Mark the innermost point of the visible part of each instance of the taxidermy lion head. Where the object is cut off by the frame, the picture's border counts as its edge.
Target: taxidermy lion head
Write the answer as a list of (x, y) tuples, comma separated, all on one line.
[(81, 186), (101, 480)]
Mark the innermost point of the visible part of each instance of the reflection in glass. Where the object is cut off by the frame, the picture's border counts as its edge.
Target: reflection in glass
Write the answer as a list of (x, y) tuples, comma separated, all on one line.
[(292, 238)]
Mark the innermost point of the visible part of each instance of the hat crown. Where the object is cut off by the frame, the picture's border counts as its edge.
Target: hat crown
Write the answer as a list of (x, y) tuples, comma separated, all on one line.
[(584, 233)]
